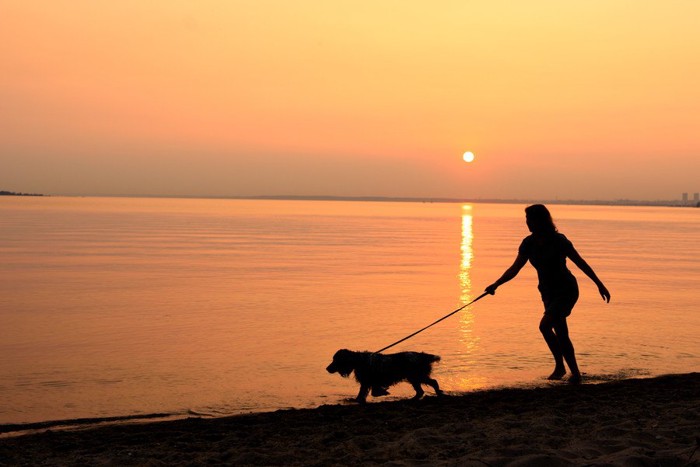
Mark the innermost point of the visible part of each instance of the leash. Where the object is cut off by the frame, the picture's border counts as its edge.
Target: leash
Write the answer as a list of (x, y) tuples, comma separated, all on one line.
[(433, 324)]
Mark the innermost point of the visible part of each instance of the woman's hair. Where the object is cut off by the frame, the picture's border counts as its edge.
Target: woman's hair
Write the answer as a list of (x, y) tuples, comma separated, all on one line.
[(539, 219)]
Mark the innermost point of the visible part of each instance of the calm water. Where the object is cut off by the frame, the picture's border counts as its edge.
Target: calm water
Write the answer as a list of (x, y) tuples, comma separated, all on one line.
[(113, 307)]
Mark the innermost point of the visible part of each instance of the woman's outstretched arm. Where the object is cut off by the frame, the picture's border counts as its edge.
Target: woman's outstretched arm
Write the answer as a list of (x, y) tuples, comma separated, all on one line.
[(587, 270), (510, 273)]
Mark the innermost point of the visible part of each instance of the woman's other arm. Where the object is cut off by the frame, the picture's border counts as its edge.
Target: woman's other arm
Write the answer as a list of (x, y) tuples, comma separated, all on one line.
[(587, 270)]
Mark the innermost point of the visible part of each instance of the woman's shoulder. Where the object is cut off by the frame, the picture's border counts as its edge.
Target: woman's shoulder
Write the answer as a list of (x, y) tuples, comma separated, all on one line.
[(525, 245), (562, 240), (527, 239), (549, 239)]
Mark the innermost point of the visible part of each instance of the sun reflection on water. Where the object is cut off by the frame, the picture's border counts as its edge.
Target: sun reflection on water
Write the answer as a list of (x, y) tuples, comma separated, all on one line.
[(467, 255), (469, 341)]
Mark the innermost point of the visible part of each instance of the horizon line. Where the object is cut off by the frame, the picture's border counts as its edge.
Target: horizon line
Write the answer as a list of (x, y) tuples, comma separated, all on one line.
[(407, 199)]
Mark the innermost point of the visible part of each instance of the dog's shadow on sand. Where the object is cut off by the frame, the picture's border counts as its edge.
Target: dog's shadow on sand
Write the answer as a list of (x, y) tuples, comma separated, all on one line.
[(395, 400)]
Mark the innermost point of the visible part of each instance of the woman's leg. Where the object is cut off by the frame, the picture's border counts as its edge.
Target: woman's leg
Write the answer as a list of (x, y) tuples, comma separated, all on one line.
[(561, 329), (547, 326)]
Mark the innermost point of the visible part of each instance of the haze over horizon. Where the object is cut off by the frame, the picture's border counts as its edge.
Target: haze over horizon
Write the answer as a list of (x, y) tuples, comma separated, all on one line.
[(589, 100)]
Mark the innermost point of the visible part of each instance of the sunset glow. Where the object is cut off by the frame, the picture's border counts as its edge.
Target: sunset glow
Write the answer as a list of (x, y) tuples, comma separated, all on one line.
[(593, 100)]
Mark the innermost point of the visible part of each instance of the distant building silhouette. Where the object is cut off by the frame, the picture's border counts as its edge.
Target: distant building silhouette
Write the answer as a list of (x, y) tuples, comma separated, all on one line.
[(12, 193), (685, 199)]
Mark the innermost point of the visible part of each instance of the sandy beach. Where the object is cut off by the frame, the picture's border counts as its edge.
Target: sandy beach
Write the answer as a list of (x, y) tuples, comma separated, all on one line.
[(653, 421)]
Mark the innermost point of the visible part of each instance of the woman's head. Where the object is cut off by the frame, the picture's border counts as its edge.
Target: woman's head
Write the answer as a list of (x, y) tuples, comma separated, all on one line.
[(539, 220)]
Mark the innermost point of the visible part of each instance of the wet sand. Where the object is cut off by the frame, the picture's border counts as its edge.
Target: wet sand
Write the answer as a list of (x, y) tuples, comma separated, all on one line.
[(653, 421)]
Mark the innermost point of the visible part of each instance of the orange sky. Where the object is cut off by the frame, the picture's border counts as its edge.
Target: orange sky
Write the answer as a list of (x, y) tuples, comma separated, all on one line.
[(557, 99)]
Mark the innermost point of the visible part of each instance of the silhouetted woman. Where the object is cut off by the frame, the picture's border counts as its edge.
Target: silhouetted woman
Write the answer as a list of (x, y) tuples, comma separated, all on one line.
[(547, 250)]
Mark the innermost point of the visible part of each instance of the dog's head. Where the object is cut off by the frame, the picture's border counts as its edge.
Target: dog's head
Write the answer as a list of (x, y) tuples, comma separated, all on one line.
[(343, 363)]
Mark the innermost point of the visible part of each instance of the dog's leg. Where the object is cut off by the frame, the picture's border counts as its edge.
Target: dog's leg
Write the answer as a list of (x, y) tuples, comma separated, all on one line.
[(434, 384), (362, 395), (419, 390)]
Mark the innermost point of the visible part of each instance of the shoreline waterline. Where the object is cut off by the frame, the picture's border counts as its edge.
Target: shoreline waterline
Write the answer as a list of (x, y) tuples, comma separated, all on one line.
[(648, 421), (87, 423)]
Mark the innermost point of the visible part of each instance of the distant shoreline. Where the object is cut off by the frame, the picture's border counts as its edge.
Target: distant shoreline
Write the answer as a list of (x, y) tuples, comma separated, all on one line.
[(12, 193), (396, 199), (400, 199), (622, 202)]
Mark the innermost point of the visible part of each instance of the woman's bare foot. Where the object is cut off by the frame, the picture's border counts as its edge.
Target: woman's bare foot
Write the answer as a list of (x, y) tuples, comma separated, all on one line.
[(575, 379), (557, 374)]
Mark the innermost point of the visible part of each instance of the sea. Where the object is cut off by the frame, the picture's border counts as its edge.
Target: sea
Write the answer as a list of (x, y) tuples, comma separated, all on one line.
[(129, 307)]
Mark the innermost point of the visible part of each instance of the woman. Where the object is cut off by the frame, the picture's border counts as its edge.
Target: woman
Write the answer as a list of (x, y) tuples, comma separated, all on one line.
[(547, 250)]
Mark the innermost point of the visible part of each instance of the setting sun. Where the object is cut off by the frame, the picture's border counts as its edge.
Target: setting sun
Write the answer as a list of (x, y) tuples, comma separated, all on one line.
[(468, 156)]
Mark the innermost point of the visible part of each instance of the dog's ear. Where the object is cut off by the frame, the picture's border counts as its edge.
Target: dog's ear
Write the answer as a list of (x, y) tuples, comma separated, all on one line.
[(343, 355)]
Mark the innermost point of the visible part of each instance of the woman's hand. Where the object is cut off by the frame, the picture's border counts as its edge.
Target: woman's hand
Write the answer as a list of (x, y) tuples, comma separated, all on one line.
[(491, 289), (604, 293)]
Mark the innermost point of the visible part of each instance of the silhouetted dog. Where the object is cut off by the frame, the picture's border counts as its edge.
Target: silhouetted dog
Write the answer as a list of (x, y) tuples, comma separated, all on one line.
[(377, 372)]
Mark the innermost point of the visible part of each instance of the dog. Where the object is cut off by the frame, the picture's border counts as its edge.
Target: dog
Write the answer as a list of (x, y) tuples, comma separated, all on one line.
[(377, 372)]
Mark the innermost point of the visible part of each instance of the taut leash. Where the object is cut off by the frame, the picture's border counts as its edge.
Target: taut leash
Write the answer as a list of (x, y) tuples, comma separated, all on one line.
[(433, 324)]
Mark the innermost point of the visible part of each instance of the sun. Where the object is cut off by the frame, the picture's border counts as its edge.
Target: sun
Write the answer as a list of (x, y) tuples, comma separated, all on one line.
[(468, 156)]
